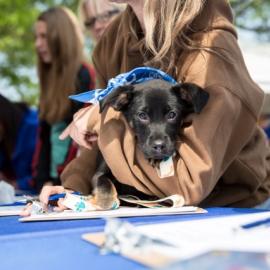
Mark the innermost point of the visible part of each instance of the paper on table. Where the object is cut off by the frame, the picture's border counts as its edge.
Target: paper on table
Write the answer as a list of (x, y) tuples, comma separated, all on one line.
[(188, 239), (170, 201), (222, 233), (11, 210), (79, 203), (120, 212)]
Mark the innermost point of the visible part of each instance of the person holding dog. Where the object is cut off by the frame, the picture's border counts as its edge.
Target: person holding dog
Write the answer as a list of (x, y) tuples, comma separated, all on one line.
[(223, 157), (62, 71)]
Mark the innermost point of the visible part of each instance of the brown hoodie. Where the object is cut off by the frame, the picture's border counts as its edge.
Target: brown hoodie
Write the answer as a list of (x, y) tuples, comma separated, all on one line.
[(223, 156)]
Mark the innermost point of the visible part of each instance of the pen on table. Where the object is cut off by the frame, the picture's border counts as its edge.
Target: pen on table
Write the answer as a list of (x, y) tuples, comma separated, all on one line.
[(257, 223), (57, 196)]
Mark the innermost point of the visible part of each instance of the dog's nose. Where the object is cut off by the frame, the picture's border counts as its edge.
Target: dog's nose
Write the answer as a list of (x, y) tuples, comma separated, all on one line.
[(159, 145)]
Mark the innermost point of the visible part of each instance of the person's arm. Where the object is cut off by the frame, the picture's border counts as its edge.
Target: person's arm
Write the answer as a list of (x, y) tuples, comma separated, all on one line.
[(211, 144), (75, 177), (77, 174)]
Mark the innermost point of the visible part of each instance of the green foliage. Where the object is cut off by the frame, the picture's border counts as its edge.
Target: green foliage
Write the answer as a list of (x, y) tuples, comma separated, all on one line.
[(16, 43), (17, 55), (253, 15)]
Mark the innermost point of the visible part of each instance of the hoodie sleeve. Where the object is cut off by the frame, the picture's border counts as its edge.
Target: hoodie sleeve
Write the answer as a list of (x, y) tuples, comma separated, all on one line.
[(211, 143)]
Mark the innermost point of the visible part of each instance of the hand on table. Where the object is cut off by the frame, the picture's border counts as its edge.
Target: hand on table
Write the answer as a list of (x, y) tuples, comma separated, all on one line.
[(45, 193)]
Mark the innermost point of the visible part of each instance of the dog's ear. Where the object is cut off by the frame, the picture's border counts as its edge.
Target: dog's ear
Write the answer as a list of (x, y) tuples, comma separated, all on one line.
[(193, 94), (118, 98)]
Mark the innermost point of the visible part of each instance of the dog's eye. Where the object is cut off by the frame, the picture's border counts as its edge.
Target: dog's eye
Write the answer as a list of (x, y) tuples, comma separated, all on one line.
[(143, 116), (171, 115)]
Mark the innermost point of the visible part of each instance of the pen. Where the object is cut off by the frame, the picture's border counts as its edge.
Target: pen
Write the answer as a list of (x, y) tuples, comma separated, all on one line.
[(55, 197), (255, 223)]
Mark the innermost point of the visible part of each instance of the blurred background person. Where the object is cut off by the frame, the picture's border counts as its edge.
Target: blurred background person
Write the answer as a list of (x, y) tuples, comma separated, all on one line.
[(96, 15), (18, 132), (62, 71)]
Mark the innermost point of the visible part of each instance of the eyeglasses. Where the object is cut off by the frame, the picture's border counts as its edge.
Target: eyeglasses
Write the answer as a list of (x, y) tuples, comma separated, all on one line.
[(104, 17)]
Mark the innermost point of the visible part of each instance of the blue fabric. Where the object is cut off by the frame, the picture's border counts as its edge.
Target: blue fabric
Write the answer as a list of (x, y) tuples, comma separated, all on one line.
[(135, 76), (24, 149)]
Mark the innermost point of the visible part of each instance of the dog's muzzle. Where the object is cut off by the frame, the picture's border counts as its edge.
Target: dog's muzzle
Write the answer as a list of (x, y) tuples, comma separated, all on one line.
[(158, 149)]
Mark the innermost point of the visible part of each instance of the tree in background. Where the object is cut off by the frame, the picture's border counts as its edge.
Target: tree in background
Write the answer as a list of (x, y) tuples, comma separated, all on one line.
[(17, 57), (253, 15)]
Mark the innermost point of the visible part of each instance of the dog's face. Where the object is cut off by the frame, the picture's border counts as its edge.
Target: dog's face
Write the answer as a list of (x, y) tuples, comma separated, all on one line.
[(155, 110)]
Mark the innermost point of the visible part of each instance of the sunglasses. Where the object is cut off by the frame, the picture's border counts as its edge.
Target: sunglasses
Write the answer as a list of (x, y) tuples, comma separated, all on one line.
[(104, 17)]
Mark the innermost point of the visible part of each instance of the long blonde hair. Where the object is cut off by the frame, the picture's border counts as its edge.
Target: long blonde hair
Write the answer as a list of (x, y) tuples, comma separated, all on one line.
[(58, 78), (166, 24)]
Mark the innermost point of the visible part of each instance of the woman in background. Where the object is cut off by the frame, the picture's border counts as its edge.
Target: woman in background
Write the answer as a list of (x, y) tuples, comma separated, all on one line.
[(18, 131), (62, 71)]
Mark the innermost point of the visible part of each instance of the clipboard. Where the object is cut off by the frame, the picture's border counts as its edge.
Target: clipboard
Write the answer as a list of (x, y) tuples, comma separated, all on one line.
[(187, 240), (122, 211), (150, 258)]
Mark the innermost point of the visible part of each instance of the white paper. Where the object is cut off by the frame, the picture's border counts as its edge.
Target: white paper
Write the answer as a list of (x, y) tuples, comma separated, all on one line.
[(194, 237), (120, 212), (175, 200), (11, 210)]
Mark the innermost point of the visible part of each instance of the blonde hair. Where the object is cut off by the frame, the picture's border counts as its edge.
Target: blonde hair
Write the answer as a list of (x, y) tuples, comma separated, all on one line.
[(58, 78), (166, 33), (98, 6)]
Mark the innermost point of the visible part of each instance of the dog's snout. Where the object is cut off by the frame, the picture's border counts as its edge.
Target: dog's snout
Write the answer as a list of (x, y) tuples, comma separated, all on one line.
[(159, 145)]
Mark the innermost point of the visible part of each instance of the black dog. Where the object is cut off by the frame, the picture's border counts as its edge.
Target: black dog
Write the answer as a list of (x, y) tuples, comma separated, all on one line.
[(155, 110)]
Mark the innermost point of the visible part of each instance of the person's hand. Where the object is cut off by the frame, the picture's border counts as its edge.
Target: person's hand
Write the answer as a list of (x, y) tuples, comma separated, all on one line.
[(78, 128), (45, 193), (26, 210)]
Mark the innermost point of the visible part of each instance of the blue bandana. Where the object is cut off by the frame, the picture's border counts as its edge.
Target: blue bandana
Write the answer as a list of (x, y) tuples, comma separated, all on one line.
[(135, 76)]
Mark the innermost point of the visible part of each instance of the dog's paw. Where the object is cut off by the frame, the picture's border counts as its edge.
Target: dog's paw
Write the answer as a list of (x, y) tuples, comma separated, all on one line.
[(105, 194)]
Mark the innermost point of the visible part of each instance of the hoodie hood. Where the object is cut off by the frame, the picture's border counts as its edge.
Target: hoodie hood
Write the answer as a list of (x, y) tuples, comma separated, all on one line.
[(220, 62), (215, 15)]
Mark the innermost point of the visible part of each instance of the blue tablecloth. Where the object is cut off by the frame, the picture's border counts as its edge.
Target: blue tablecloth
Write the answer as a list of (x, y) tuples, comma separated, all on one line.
[(58, 244)]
